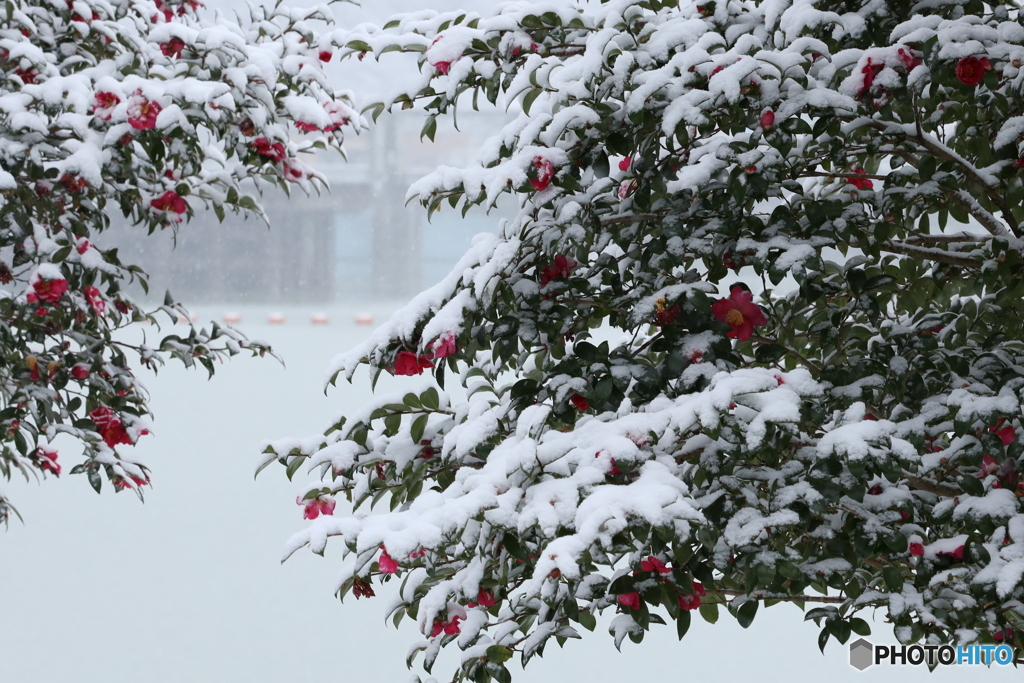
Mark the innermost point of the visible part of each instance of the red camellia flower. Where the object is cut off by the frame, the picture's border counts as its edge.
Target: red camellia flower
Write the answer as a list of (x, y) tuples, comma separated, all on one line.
[(740, 312), (325, 55), (442, 59), (917, 550), (910, 62), (1006, 434), (561, 267), (274, 151), (767, 118), (103, 105), (314, 507), (666, 315), (970, 70), (630, 600), (861, 183), (306, 127), (868, 73), (109, 426), (449, 628), (386, 563), (173, 47), (955, 555), (579, 402), (47, 460), (692, 601), (408, 363), (142, 113), (338, 113), (80, 371), (48, 290), (292, 173), (485, 598), (545, 172), (171, 202), (123, 483), (625, 163), (653, 564), (95, 299), (73, 183)]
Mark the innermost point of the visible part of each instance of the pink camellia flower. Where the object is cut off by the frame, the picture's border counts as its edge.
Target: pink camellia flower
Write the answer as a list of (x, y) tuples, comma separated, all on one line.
[(449, 628), (625, 163), (628, 187), (104, 103), (109, 425), (173, 47), (48, 460), (386, 563), (767, 119), (545, 172), (917, 550), (630, 600), (48, 290), (861, 183), (325, 55), (971, 70), (142, 113), (314, 507), (422, 552), (170, 202), (274, 151), (408, 363), (740, 312), (561, 267), (444, 346), (579, 402), (692, 601), (1006, 434), (306, 127), (80, 371), (95, 299), (653, 564)]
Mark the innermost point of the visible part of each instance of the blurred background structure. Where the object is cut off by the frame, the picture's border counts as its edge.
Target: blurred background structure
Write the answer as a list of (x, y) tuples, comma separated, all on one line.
[(359, 240)]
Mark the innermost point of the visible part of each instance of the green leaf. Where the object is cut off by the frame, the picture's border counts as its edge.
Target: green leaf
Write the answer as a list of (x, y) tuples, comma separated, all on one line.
[(709, 611), (294, 466), (745, 614), (498, 654), (893, 577), (418, 427), (682, 624)]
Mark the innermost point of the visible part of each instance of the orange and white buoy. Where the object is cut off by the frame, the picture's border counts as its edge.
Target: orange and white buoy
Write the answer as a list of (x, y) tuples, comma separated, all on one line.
[(276, 319), (232, 318), (364, 319), (320, 319)]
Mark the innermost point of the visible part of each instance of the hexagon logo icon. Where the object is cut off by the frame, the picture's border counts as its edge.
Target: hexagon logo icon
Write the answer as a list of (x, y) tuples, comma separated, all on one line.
[(862, 654)]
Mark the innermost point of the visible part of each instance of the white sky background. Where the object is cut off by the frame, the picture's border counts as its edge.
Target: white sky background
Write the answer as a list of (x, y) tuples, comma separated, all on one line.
[(188, 586)]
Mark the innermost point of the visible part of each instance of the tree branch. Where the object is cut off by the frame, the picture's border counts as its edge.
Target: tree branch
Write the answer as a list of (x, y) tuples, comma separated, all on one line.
[(760, 595)]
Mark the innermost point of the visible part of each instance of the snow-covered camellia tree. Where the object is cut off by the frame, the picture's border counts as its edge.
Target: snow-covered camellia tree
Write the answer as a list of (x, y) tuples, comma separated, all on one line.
[(153, 111), (756, 335)]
